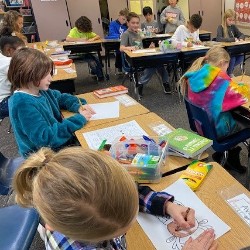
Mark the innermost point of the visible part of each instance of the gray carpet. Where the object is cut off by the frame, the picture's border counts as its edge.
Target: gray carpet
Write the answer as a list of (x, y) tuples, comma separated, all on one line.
[(168, 107)]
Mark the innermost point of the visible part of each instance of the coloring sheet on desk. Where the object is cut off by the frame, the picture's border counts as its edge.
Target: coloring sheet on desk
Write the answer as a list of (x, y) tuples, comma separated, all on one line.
[(156, 227), (105, 110), (95, 138)]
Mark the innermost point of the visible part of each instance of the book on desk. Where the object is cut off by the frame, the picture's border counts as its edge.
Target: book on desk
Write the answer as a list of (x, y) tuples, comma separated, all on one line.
[(111, 91), (187, 144)]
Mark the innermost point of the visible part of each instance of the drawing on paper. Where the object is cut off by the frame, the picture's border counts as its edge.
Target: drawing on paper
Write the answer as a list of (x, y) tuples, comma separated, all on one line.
[(177, 242)]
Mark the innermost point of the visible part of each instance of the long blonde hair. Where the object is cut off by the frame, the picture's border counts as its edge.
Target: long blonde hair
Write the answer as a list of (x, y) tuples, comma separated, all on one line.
[(228, 14), (214, 56), (83, 194)]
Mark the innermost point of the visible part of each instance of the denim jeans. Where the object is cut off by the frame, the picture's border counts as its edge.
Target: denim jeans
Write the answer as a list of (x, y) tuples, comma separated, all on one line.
[(148, 73), (94, 64), (4, 109), (234, 61)]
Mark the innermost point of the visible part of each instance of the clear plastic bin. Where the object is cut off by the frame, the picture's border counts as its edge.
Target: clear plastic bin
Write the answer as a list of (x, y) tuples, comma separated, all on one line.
[(143, 157)]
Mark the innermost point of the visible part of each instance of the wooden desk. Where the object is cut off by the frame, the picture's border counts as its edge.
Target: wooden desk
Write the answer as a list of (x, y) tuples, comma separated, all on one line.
[(84, 47), (147, 60), (125, 112), (205, 35), (109, 45), (146, 41), (209, 193), (63, 75), (173, 163)]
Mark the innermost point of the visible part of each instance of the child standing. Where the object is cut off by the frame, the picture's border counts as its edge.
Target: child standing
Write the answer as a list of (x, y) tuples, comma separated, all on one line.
[(34, 109), (149, 23), (228, 32), (8, 45), (13, 21), (82, 32), (116, 29), (172, 17), (92, 200), (207, 85), (131, 41), (188, 34)]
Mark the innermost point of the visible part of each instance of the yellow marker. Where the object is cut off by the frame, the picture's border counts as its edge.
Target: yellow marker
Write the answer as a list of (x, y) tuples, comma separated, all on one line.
[(80, 103)]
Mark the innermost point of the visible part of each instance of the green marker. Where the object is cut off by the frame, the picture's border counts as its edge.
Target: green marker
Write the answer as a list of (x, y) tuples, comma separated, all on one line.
[(102, 145)]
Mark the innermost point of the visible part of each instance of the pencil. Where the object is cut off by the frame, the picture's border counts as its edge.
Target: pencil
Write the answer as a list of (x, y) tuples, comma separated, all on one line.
[(186, 215), (80, 103)]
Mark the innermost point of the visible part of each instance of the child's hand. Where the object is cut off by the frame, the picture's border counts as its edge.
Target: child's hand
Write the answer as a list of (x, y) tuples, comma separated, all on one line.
[(198, 42), (131, 48), (87, 114), (169, 19), (204, 241), (87, 107), (189, 44), (183, 216), (152, 45)]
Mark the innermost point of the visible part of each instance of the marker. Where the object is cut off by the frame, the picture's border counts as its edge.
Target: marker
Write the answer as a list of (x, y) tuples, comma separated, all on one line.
[(147, 138), (102, 145)]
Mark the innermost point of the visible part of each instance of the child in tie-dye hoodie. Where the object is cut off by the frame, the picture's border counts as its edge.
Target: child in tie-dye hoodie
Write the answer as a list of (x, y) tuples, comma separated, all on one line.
[(207, 84)]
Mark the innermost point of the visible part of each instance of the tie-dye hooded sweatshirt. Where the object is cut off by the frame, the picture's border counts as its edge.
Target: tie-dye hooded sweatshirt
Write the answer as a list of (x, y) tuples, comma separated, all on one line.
[(212, 89)]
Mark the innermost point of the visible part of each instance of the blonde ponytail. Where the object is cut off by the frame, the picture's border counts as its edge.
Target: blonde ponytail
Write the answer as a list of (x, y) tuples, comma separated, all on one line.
[(25, 175), (76, 190)]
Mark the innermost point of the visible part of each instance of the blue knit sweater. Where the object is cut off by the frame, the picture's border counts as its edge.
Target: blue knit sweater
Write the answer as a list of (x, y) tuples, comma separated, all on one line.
[(37, 120)]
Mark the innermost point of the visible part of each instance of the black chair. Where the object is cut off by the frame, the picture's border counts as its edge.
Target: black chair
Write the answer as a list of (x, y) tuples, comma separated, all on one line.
[(200, 122)]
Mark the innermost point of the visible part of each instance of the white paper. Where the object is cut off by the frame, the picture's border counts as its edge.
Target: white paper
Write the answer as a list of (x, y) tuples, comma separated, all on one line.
[(145, 51), (126, 100), (241, 205), (195, 46), (95, 138), (105, 110), (161, 238), (69, 70)]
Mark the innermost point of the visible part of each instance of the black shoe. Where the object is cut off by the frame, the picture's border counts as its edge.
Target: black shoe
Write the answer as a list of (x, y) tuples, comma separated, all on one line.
[(166, 88)]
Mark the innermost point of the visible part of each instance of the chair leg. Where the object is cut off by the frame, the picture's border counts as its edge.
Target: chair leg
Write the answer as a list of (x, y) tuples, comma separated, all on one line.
[(10, 129), (248, 165), (224, 159)]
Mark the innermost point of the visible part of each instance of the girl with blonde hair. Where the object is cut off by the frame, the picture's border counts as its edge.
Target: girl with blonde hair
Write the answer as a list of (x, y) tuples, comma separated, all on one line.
[(228, 32), (207, 85), (88, 201), (13, 20)]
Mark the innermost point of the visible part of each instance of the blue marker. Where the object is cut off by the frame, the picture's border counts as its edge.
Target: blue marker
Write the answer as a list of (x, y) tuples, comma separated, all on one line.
[(148, 139)]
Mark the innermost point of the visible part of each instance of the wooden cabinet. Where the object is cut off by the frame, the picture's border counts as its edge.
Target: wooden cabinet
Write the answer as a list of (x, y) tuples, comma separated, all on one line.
[(52, 19), (91, 9), (211, 12), (115, 8)]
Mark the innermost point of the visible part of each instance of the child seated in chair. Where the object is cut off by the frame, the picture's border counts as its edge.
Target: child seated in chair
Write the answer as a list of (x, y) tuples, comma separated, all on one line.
[(88, 201), (8, 45), (116, 29), (131, 41), (207, 85), (82, 32)]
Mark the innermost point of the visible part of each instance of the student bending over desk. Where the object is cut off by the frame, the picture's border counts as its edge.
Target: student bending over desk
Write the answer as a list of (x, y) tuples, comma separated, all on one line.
[(8, 45), (228, 32), (131, 41), (207, 85), (188, 34), (34, 109), (93, 201), (82, 32)]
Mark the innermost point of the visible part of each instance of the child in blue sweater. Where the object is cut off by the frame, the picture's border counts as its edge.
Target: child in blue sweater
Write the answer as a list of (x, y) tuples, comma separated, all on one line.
[(34, 109), (116, 29)]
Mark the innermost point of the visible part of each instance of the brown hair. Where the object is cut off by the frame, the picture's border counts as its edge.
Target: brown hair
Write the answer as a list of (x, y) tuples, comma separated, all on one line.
[(214, 56), (83, 24), (228, 14), (131, 15), (196, 21), (124, 12), (83, 194), (28, 66), (10, 20)]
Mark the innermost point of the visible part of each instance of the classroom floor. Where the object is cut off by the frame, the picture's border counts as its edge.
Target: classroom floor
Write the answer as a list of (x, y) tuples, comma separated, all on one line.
[(168, 107)]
